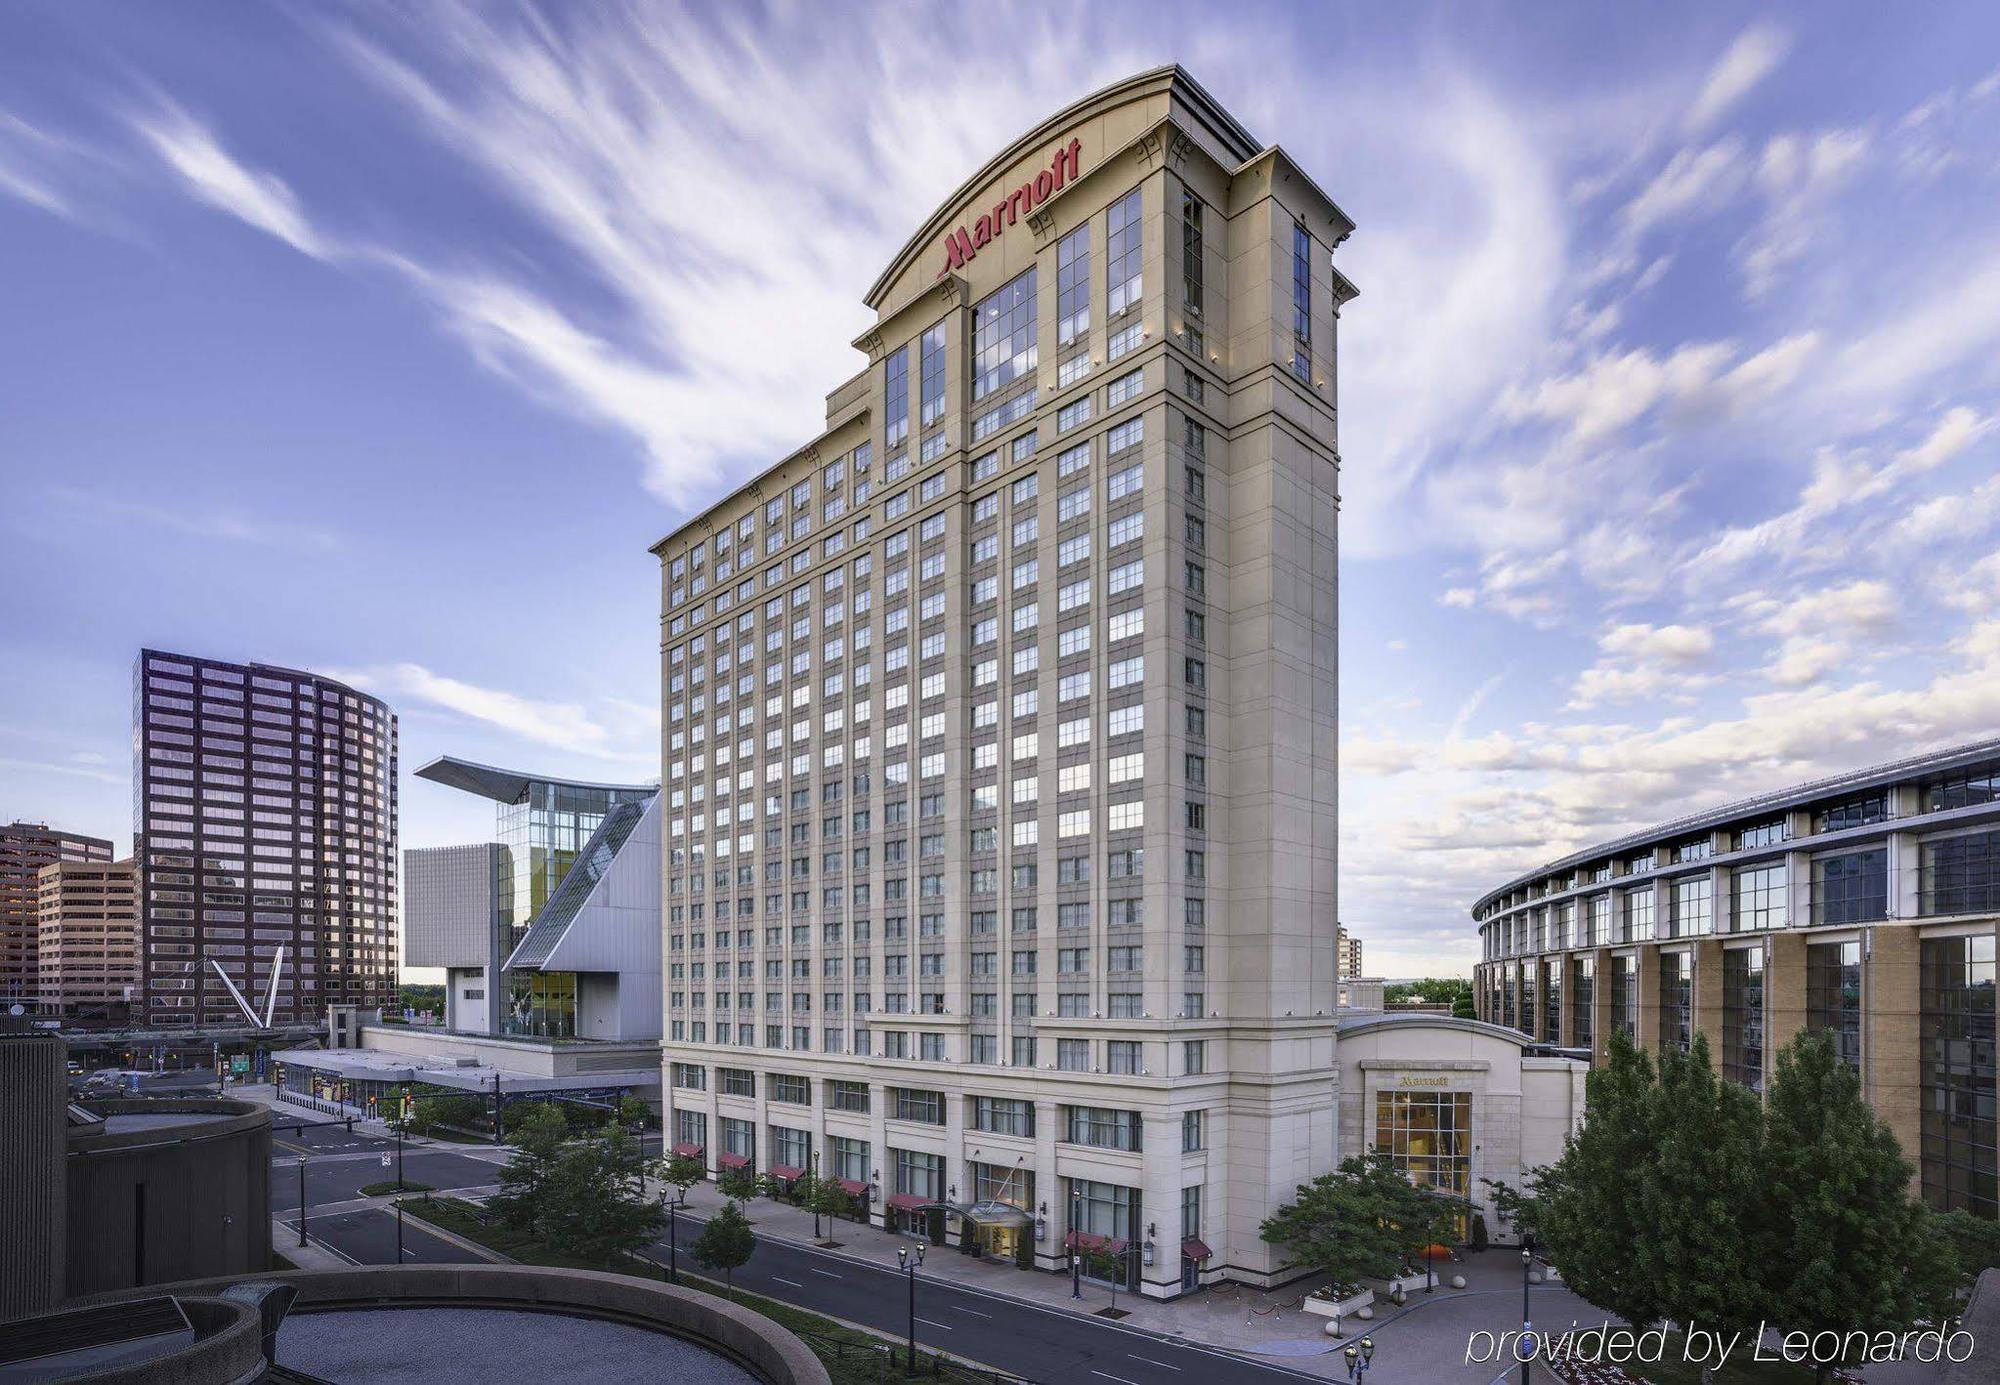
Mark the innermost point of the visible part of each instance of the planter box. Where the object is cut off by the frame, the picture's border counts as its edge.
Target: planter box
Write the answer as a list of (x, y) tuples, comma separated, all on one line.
[(1408, 1283), (1336, 1309)]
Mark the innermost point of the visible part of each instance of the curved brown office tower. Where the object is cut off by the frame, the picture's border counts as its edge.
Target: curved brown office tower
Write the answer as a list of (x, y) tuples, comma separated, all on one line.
[(264, 823)]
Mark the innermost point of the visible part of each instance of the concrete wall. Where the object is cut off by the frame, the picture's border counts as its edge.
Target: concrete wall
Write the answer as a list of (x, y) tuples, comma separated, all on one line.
[(164, 1202), (33, 1246)]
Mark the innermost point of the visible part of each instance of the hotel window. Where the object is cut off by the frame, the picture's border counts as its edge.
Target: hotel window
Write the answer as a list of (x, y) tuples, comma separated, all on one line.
[(1833, 996), (1676, 1002), (1301, 302), (1960, 875), (1552, 1000), (1429, 1136), (1855, 812), (1003, 336), (1073, 1055), (1638, 926), (790, 1148), (1694, 849), (1582, 993), (1191, 1132), (931, 374), (1743, 1016), (1761, 897), (1851, 888), (1124, 245), (911, 1104), (1764, 834), (1003, 1116), (1530, 985), (1966, 789), (1121, 1057), (1103, 1128), (1694, 916), (1625, 996), (896, 388), (1073, 286), (850, 1159), (1957, 1054)]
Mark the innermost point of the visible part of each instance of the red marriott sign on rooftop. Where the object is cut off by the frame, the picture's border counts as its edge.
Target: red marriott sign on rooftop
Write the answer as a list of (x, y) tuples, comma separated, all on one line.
[(961, 245)]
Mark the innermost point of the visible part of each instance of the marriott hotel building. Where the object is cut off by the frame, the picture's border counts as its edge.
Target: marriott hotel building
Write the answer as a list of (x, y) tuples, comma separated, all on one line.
[(999, 721), (1865, 905)]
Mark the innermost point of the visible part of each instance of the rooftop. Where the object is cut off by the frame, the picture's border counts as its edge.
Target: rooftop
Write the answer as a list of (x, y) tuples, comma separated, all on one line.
[(507, 785)]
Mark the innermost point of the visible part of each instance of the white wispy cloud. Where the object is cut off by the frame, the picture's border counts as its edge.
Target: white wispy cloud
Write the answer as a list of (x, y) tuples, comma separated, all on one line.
[(1754, 55), (611, 731), (205, 520)]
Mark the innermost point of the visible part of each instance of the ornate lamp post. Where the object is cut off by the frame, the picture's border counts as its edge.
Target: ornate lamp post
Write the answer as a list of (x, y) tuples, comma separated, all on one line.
[(302, 1199), (812, 1188), (1358, 1359), (1527, 1263), (910, 1265)]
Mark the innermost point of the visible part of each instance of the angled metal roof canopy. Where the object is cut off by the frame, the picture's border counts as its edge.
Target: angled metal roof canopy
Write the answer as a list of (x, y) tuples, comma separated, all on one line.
[(507, 785)]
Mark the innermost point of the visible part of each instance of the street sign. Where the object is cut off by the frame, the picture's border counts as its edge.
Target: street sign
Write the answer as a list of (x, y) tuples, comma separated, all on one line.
[(385, 1161)]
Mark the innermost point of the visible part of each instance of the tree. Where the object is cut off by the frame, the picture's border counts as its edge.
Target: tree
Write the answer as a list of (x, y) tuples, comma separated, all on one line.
[(586, 1207), (1974, 1241), (1707, 1180), (1462, 1007), (682, 1171), (737, 1184), (725, 1244), (538, 1134), (826, 1197), (1519, 1208), (1102, 1264), (1590, 1210), (634, 1111), (1855, 1250), (1363, 1221)]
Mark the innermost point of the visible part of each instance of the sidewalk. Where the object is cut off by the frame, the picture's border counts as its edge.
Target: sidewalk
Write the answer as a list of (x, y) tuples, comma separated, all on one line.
[(1266, 1326)]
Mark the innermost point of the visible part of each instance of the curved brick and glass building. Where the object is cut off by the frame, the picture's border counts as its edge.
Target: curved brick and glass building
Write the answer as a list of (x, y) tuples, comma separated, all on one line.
[(1865, 905), (1000, 797)]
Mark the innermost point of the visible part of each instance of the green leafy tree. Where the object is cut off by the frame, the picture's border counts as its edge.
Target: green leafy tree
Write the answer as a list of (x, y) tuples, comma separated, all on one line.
[(1974, 1241), (634, 1111), (824, 1196), (587, 1207), (538, 1135), (737, 1184), (1590, 1209), (1102, 1264), (1854, 1249), (1363, 1221), (1707, 1180), (725, 1244), (1519, 1208), (682, 1171), (1462, 1007)]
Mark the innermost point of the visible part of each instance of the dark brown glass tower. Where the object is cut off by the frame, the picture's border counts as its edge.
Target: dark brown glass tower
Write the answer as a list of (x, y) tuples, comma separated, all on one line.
[(264, 818)]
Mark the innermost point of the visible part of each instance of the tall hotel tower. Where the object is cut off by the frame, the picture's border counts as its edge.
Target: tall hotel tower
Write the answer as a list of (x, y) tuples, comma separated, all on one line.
[(264, 822), (999, 722)]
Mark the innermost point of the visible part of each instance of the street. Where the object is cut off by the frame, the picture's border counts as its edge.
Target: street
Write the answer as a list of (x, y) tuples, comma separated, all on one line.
[(1040, 1344), (368, 1237)]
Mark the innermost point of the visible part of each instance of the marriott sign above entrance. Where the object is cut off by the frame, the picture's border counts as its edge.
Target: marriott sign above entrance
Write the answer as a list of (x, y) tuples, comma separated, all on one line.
[(961, 245)]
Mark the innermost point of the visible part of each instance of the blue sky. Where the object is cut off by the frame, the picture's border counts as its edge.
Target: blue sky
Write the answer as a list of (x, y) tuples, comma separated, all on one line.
[(382, 341)]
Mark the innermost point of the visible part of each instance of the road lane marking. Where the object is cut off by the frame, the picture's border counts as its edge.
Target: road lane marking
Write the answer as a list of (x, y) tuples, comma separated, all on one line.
[(828, 1273), (1119, 1378), (945, 1326), (974, 1311), (1151, 1362), (793, 1282)]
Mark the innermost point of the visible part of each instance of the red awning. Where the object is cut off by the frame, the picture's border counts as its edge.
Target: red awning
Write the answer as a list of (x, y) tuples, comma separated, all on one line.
[(688, 1151), (854, 1187), (907, 1202), (786, 1172), (1194, 1248), (733, 1161)]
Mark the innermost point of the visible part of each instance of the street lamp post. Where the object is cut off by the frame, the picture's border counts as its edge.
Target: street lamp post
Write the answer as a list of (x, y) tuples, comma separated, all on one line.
[(1527, 1261), (1358, 1359), (910, 1265), (399, 1231), (812, 1188), (1429, 1277), (302, 1199), (673, 1240), (667, 1208), (1075, 1244)]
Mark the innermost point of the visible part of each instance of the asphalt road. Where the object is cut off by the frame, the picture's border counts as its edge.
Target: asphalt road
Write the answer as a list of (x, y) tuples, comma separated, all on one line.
[(368, 1237), (340, 1177), (1051, 1346)]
